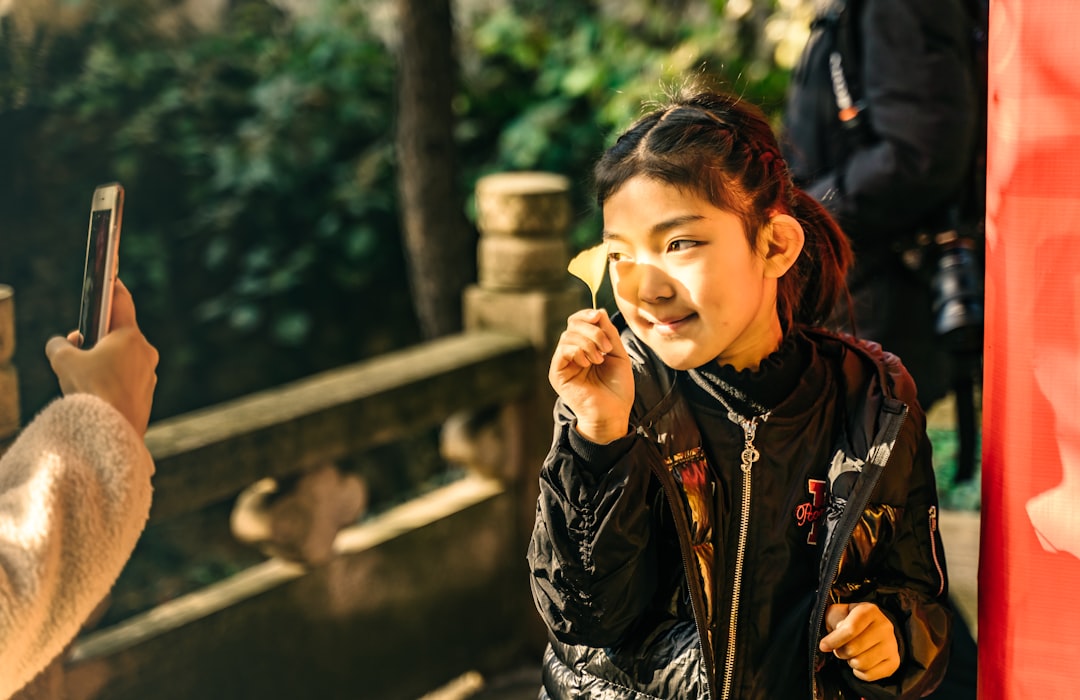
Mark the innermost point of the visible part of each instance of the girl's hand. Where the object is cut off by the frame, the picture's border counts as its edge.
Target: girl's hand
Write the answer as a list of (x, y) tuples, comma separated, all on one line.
[(863, 636), (591, 372)]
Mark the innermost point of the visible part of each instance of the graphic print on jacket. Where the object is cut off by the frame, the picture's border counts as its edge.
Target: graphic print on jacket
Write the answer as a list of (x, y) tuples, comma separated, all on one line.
[(808, 514), (691, 473)]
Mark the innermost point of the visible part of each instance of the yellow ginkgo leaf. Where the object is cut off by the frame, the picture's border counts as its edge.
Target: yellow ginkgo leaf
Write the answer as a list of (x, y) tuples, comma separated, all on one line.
[(589, 266)]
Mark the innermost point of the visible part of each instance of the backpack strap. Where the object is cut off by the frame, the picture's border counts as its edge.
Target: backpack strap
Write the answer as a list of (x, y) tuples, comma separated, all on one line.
[(840, 19)]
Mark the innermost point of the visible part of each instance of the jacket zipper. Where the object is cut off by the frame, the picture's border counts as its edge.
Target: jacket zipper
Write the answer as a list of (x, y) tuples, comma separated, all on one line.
[(882, 450), (933, 548), (749, 455), (736, 593)]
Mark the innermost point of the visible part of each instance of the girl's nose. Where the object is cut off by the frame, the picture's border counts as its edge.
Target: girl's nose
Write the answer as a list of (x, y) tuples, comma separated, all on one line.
[(642, 282)]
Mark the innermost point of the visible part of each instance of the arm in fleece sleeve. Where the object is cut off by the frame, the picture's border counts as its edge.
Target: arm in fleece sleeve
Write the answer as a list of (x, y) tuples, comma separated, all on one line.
[(74, 498)]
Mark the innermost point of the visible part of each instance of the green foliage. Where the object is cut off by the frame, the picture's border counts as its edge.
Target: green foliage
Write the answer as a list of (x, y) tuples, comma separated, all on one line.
[(261, 235), (276, 135), (558, 85), (952, 493), (260, 196)]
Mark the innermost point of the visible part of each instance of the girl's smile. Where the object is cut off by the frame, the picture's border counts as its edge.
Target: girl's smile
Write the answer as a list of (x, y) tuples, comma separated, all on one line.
[(672, 326)]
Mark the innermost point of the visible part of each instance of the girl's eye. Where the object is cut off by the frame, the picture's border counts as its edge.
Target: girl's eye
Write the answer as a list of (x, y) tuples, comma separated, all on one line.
[(680, 245), (616, 256)]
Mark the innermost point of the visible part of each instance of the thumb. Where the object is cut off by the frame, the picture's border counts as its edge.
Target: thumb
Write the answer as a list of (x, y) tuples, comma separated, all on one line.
[(835, 614), (123, 307), (61, 353), (58, 350)]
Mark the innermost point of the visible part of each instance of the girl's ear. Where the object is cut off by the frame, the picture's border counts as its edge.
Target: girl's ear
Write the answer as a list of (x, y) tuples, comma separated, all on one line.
[(781, 242)]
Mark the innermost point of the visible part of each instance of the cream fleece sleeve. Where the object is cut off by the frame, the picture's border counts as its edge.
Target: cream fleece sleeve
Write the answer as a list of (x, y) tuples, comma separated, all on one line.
[(74, 498)]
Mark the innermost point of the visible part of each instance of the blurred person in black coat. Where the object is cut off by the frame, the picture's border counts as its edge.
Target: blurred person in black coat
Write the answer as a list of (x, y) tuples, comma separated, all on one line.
[(882, 126)]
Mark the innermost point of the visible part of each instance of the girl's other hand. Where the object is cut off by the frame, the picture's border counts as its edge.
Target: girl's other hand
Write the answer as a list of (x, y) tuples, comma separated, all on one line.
[(863, 636), (591, 372)]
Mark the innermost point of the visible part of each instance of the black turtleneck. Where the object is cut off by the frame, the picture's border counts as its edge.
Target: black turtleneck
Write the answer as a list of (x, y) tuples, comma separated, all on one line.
[(753, 391)]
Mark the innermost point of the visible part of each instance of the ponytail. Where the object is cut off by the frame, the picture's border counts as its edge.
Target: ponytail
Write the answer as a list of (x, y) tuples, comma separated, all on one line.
[(810, 291)]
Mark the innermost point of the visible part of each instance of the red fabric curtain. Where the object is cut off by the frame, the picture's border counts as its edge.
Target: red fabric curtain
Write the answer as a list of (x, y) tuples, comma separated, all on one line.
[(1029, 572)]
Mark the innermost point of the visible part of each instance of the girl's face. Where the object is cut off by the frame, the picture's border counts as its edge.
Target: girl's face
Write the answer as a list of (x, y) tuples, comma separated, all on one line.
[(686, 279)]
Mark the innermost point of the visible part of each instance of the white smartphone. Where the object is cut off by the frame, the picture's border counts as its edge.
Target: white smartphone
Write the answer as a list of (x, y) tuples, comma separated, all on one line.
[(102, 252)]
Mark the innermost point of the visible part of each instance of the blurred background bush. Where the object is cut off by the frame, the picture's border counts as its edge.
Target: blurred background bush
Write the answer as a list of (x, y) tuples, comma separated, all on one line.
[(255, 139)]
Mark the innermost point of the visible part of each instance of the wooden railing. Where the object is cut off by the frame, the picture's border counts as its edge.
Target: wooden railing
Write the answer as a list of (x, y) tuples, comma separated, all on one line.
[(414, 596)]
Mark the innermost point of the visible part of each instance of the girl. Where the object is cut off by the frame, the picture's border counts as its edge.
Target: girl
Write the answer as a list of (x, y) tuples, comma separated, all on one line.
[(737, 504)]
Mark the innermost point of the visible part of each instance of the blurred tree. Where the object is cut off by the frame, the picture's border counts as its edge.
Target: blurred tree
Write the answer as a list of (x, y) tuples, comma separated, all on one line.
[(439, 242)]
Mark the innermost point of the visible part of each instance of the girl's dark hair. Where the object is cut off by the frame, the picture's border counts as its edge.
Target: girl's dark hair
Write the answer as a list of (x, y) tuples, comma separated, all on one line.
[(724, 150)]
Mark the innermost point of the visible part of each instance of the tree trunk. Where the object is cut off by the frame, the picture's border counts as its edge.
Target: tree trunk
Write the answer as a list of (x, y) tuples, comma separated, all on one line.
[(440, 245)]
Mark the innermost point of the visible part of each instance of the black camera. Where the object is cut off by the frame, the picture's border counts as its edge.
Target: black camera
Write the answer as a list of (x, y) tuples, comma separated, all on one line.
[(957, 284)]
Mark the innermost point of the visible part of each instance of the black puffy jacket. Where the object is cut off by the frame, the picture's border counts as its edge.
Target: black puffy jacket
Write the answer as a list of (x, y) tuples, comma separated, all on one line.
[(627, 620), (910, 63)]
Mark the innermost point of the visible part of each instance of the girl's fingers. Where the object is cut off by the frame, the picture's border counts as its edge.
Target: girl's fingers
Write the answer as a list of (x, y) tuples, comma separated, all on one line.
[(582, 331), (883, 668), (579, 356), (123, 307), (585, 350), (855, 647), (570, 355), (612, 342), (595, 327), (587, 344), (861, 635)]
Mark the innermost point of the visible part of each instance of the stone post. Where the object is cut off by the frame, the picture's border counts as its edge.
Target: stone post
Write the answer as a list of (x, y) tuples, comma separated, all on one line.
[(523, 288), (9, 381), (523, 284)]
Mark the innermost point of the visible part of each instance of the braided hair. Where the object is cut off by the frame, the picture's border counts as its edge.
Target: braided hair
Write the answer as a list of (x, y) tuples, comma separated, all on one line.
[(723, 149)]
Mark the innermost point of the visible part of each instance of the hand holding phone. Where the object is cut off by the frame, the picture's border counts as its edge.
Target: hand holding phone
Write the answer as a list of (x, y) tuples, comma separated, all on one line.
[(102, 252), (121, 369)]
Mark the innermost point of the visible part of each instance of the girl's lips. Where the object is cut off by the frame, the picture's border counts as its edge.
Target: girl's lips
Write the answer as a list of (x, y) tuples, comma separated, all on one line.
[(670, 326)]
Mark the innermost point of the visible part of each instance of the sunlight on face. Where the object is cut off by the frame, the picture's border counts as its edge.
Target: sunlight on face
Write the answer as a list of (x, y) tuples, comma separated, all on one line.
[(686, 279)]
